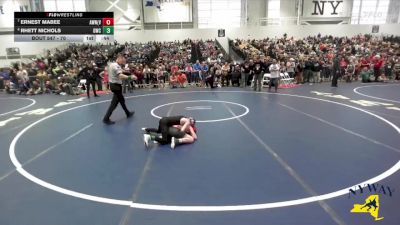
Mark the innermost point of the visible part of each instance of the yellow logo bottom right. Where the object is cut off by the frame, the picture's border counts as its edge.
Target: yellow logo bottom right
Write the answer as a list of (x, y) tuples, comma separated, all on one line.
[(370, 206)]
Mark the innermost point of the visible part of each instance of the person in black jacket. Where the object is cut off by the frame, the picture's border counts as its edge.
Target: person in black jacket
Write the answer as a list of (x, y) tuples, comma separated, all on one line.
[(99, 80), (316, 70), (258, 75), (307, 70), (209, 80), (335, 71), (266, 62), (246, 70), (235, 76), (89, 73)]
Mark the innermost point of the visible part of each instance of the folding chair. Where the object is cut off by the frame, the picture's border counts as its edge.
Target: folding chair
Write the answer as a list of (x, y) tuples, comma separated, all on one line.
[(266, 79), (81, 86), (287, 81)]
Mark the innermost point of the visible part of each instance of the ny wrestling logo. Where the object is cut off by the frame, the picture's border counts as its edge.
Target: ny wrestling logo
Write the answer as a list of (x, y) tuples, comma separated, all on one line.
[(371, 204)]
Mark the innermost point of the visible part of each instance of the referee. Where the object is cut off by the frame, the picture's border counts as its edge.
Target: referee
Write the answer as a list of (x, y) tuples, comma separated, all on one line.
[(116, 75)]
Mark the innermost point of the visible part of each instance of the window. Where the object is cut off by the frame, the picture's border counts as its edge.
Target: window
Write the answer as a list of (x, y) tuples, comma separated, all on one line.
[(274, 8), (369, 11), (64, 5), (355, 14), (49, 5), (219, 13), (79, 5)]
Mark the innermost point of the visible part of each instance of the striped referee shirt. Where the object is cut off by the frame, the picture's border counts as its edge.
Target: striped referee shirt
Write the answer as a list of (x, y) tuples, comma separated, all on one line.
[(114, 69)]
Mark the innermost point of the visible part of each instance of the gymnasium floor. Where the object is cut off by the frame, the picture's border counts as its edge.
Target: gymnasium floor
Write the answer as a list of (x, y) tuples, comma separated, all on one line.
[(261, 158)]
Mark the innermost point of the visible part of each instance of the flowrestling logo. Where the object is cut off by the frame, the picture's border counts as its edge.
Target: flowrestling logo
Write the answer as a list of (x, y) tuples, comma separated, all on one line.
[(371, 204)]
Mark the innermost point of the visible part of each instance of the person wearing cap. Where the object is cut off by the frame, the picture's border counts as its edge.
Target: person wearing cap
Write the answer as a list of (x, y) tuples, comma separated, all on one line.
[(116, 75), (165, 133)]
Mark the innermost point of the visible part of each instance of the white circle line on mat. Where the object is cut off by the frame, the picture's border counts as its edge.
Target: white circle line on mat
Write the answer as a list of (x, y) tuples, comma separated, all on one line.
[(205, 208), (152, 112), (355, 90), (27, 106)]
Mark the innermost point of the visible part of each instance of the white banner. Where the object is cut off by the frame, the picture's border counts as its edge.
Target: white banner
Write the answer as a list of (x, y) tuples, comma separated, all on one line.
[(327, 8)]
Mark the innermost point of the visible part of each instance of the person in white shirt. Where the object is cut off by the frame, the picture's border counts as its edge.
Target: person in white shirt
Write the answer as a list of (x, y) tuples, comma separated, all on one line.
[(274, 70), (290, 67), (147, 74)]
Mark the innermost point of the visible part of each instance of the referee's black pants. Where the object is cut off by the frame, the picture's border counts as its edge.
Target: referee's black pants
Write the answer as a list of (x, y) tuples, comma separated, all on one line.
[(117, 98)]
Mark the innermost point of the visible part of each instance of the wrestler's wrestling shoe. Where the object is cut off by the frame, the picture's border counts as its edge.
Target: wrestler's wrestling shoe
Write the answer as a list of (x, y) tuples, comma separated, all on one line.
[(146, 140), (173, 143)]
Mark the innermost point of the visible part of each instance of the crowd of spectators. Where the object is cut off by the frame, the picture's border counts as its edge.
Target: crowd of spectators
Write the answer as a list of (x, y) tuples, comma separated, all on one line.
[(178, 64), (61, 71), (202, 63), (77, 68), (318, 58)]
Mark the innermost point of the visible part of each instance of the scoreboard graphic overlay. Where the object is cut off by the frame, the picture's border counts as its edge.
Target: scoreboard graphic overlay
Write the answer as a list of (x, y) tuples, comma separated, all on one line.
[(63, 26)]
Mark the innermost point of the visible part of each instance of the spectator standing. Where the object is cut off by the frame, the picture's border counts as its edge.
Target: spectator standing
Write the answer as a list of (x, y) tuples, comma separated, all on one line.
[(316, 70), (89, 74), (307, 72), (378, 63), (225, 75), (235, 76), (104, 76), (299, 71), (335, 72), (388, 68), (197, 71), (246, 70), (204, 72), (258, 75), (274, 70), (290, 67), (350, 71)]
